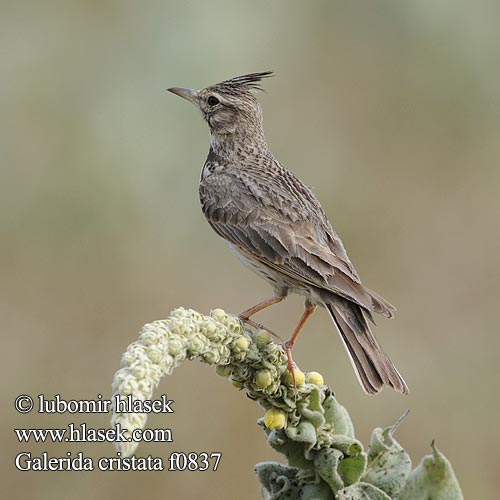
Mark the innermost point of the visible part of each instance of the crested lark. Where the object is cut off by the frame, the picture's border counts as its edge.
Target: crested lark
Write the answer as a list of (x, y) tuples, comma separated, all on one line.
[(277, 227)]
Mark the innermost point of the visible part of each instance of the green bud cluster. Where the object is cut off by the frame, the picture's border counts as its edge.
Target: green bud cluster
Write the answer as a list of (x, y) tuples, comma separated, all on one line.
[(303, 420)]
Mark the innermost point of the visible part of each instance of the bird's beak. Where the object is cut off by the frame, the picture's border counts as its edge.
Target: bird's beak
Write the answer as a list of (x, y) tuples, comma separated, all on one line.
[(188, 94)]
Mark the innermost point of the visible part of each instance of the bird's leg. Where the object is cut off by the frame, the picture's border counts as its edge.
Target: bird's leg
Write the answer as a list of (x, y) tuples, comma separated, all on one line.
[(244, 316), (288, 345)]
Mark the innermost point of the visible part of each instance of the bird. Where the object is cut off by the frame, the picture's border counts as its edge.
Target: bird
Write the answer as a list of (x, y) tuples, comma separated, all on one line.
[(277, 227)]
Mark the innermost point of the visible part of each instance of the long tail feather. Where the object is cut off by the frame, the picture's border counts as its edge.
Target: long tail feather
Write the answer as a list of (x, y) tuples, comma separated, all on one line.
[(373, 367)]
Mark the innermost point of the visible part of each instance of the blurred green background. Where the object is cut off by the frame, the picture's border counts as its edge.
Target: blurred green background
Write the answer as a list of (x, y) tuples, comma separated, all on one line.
[(388, 110)]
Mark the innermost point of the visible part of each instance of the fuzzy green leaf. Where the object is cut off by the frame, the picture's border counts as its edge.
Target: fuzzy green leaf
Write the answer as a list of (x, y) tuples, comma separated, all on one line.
[(388, 463), (433, 479), (337, 416), (362, 491)]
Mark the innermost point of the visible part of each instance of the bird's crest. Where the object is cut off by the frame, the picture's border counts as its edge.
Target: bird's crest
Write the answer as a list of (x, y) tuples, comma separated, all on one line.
[(245, 82)]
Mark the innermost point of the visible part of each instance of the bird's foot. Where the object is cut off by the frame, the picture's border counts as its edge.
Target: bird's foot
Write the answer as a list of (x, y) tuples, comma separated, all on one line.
[(257, 326), (287, 347)]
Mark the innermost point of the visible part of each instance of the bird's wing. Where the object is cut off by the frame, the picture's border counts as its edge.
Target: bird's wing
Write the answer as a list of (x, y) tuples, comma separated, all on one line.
[(280, 223)]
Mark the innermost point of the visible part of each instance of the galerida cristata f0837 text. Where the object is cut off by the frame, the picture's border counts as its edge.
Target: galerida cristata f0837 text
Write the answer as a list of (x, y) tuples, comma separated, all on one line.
[(277, 227)]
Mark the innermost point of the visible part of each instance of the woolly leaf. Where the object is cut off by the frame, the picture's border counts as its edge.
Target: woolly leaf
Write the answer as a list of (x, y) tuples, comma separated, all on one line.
[(388, 463), (433, 479), (362, 491)]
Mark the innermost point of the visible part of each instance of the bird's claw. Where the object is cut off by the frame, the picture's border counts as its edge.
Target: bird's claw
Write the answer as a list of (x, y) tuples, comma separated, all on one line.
[(290, 364), (258, 326)]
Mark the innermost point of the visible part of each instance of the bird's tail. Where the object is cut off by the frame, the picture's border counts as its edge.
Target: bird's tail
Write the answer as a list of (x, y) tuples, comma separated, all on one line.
[(373, 367)]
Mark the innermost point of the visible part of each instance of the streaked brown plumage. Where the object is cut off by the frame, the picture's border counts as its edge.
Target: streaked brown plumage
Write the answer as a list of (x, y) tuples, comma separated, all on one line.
[(277, 227)]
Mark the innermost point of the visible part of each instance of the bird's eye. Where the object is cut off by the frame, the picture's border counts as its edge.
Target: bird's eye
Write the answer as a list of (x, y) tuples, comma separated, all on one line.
[(212, 101)]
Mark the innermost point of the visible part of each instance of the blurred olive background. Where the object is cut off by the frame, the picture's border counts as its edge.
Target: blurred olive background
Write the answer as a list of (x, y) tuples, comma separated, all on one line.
[(388, 110)]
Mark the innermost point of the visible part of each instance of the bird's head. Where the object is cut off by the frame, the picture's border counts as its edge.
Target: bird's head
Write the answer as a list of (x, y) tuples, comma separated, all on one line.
[(229, 107)]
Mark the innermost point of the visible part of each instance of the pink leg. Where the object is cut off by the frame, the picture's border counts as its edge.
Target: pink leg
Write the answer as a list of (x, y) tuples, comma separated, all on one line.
[(244, 316), (288, 345)]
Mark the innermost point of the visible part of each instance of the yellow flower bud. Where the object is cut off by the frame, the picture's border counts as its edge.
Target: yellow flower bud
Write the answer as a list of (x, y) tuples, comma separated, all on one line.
[(211, 357), (300, 378), (223, 370), (315, 378), (236, 384), (275, 419), (263, 379), (241, 343), (174, 347), (262, 338), (219, 315), (210, 330)]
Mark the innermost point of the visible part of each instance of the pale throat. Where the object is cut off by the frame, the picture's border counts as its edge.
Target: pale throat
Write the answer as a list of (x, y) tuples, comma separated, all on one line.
[(243, 142)]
